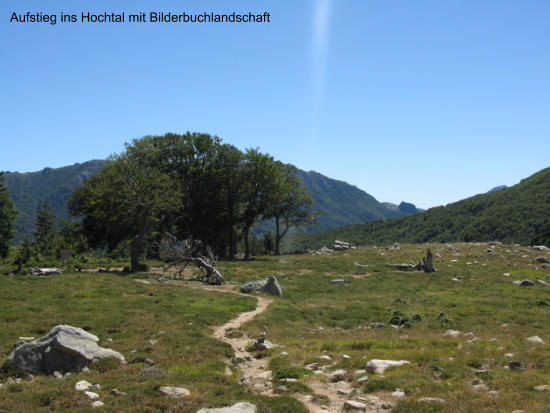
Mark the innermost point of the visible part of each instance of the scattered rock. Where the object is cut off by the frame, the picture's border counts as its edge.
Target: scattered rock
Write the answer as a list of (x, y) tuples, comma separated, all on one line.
[(118, 393), (480, 387), (542, 387), (398, 394), (151, 371), (542, 259), (379, 366), (516, 366), (97, 404), (535, 339), (342, 246), (363, 379), (175, 392), (57, 375), (525, 283), (45, 271), (82, 385), (431, 400), (338, 375), (325, 357), (542, 282), (452, 333), (63, 349), (269, 285), (91, 395), (241, 407), (338, 281), (540, 248), (353, 405)]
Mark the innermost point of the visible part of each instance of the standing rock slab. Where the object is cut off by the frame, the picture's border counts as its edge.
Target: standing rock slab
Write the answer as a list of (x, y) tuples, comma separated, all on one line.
[(241, 407), (379, 366), (63, 349), (269, 285)]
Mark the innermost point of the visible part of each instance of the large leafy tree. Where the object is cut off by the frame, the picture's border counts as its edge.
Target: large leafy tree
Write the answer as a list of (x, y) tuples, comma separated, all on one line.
[(7, 216), (289, 203), (259, 170), (127, 200)]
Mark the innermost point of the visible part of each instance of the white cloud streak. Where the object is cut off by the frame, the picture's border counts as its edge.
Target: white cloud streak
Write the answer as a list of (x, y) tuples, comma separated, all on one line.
[(320, 47)]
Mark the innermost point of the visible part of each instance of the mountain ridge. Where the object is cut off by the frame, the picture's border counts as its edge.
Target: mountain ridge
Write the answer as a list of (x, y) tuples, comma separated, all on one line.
[(340, 202)]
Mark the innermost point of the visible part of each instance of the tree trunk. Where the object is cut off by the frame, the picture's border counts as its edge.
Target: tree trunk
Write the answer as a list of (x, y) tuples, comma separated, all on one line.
[(277, 237), (136, 253), (246, 244)]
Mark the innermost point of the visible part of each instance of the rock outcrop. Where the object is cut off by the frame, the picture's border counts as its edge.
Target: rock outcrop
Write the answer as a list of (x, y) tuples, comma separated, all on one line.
[(63, 349), (269, 285)]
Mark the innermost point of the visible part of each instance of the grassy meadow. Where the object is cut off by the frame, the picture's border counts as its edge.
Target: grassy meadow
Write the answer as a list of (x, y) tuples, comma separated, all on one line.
[(170, 324)]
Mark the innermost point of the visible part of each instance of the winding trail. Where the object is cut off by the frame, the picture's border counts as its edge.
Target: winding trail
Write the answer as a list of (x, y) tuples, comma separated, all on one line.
[(255, 373)]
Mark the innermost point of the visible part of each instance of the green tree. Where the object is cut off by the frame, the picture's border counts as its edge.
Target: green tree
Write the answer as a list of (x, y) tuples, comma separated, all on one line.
[(24, 255), (7, 216), (127, 200), (258, 170), (45, 231), (289, 203)]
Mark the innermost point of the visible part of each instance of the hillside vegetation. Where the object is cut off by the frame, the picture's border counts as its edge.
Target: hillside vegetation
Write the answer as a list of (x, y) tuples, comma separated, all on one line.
[(517, 214), (338, 202)]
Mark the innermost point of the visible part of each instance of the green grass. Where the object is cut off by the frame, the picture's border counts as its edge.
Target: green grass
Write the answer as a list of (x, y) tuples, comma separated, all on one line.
[(313, 317)]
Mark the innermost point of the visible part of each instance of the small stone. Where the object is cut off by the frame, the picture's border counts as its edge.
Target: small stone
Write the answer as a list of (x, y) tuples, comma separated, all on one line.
[(493, 393), (469, 335), (175, 392), (281, 389), (82, 385), (516, 366), (283, 354), (346, 357), (338, 375), (431, 400), (398, 394), (542, 260), (343, 392), (493, 340), (97, 404), (325, 357), (290, 380), (379, 366), (91, 395), (149, 362), (57, 375), (95, 387), (152, 342), (118, 393), (452, 333), (542, 387), (535, 339), (363, 379), (353, 405), (480, 387), (509, 355), (85, 369), (338, 281)]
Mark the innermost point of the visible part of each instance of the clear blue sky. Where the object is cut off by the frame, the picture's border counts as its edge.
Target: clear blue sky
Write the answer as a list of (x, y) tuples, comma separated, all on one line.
[(423, 101)]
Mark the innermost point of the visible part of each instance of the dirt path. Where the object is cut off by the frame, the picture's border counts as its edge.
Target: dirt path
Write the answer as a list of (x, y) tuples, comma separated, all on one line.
[(255, 373)]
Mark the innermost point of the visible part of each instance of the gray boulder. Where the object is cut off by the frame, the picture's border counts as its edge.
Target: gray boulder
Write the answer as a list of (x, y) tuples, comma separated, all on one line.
[(63, 349), (269, 285), (542, 259), (240, 407)]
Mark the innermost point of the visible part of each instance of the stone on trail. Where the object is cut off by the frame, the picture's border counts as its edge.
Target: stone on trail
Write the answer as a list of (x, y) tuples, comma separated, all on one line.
[(175, 392), (379, 366), (269, 285), (241, 407), (63, 349), (338, 375), (353, 405)]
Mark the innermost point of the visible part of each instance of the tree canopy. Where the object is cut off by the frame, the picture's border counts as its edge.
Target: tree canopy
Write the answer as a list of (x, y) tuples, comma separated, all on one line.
[(192, 186)]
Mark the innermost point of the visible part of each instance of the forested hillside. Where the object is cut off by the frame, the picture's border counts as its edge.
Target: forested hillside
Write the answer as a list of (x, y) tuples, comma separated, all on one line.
[(518, 214)]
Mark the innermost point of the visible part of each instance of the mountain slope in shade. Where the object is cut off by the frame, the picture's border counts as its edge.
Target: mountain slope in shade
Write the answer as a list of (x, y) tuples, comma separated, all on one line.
[(31, 190), (339, 202), (520, 213)]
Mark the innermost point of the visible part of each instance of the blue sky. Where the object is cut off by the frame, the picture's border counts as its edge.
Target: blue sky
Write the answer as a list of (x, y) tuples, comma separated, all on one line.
[(424, 101)]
